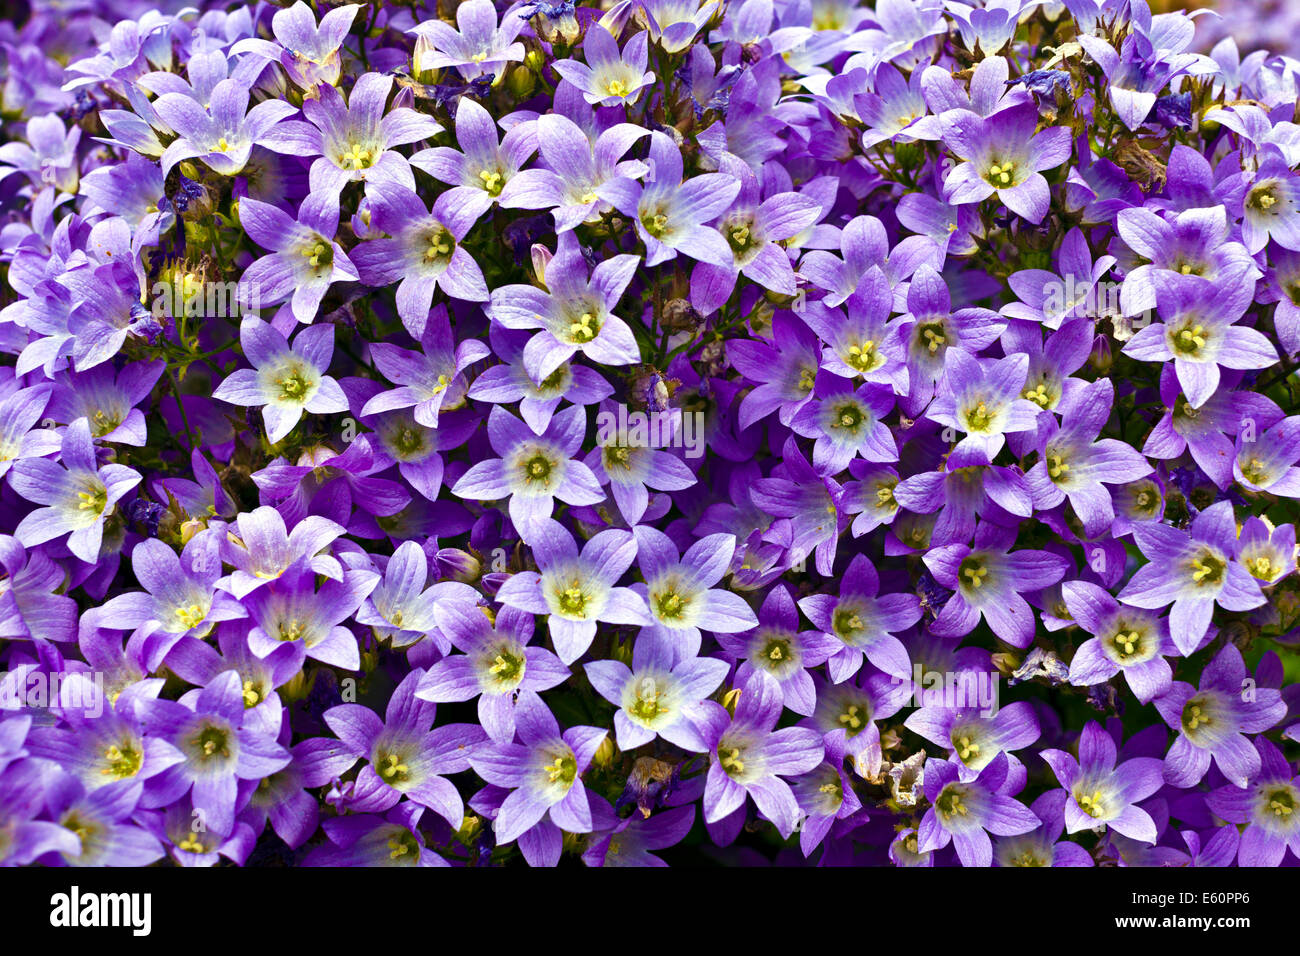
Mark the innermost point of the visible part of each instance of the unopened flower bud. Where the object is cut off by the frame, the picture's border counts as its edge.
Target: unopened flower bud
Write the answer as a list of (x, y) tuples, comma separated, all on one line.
[(469, 829), (730, 699), (1005, 663), (1100, 357), (493, 580), (521, 82), (190, 528), (541, 259), (424, 50), (457, 565), (295, 688)]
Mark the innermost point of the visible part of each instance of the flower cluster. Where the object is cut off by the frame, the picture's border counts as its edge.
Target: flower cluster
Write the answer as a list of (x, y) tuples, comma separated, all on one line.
[(461, 433)]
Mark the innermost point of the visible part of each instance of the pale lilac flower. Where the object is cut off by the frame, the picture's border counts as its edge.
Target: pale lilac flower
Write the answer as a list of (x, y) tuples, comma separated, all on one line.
[(284, 381), (77, 495)]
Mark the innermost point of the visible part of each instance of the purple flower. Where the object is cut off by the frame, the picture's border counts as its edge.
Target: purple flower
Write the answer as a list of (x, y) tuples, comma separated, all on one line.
[(865, 244), (1198, 334), (285, 381), (22, 798), (192, 839), (544, 774), (1283, 287), (308, 53), (1004, 156), (1191, 251), (1043, 846), (180, 597), (322, 481), (1193, 572), (1133, 79), (574, 312), (77, 496), (304, 260), (673, 24), (785, 370), (1200, 431), (48, 157), (503, 384), (679, 591), (401, 610), (931, 329), (283, 799), (1125, 639), (533, 470), (1213, 719), (1101, 792), (988, 581), (223, 134), (366, 839), (107, 398), (576, 167), (1267, 806), (31, 606), (576, 589), (960, 495), (263, 548), (480, 47), (103, 741), (609, 78), (424, 250), (430, 380), (405, 756), (863, 621), (219, 745), (863, 344), (973, 738), (988, 92), (1267, 462), (102, 820), (754, 228), (625, 460), (19, 413), (485, 167), (1268, 553), (655, 697), (777, 647), (846, 424), (291, 609), (670, 213), (1268, 208), (629, 843), (354, 141), (749, 757), (810, 500), (1073, 463), (1056, 299), (495, 664), (964, 812), (983, 400)]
